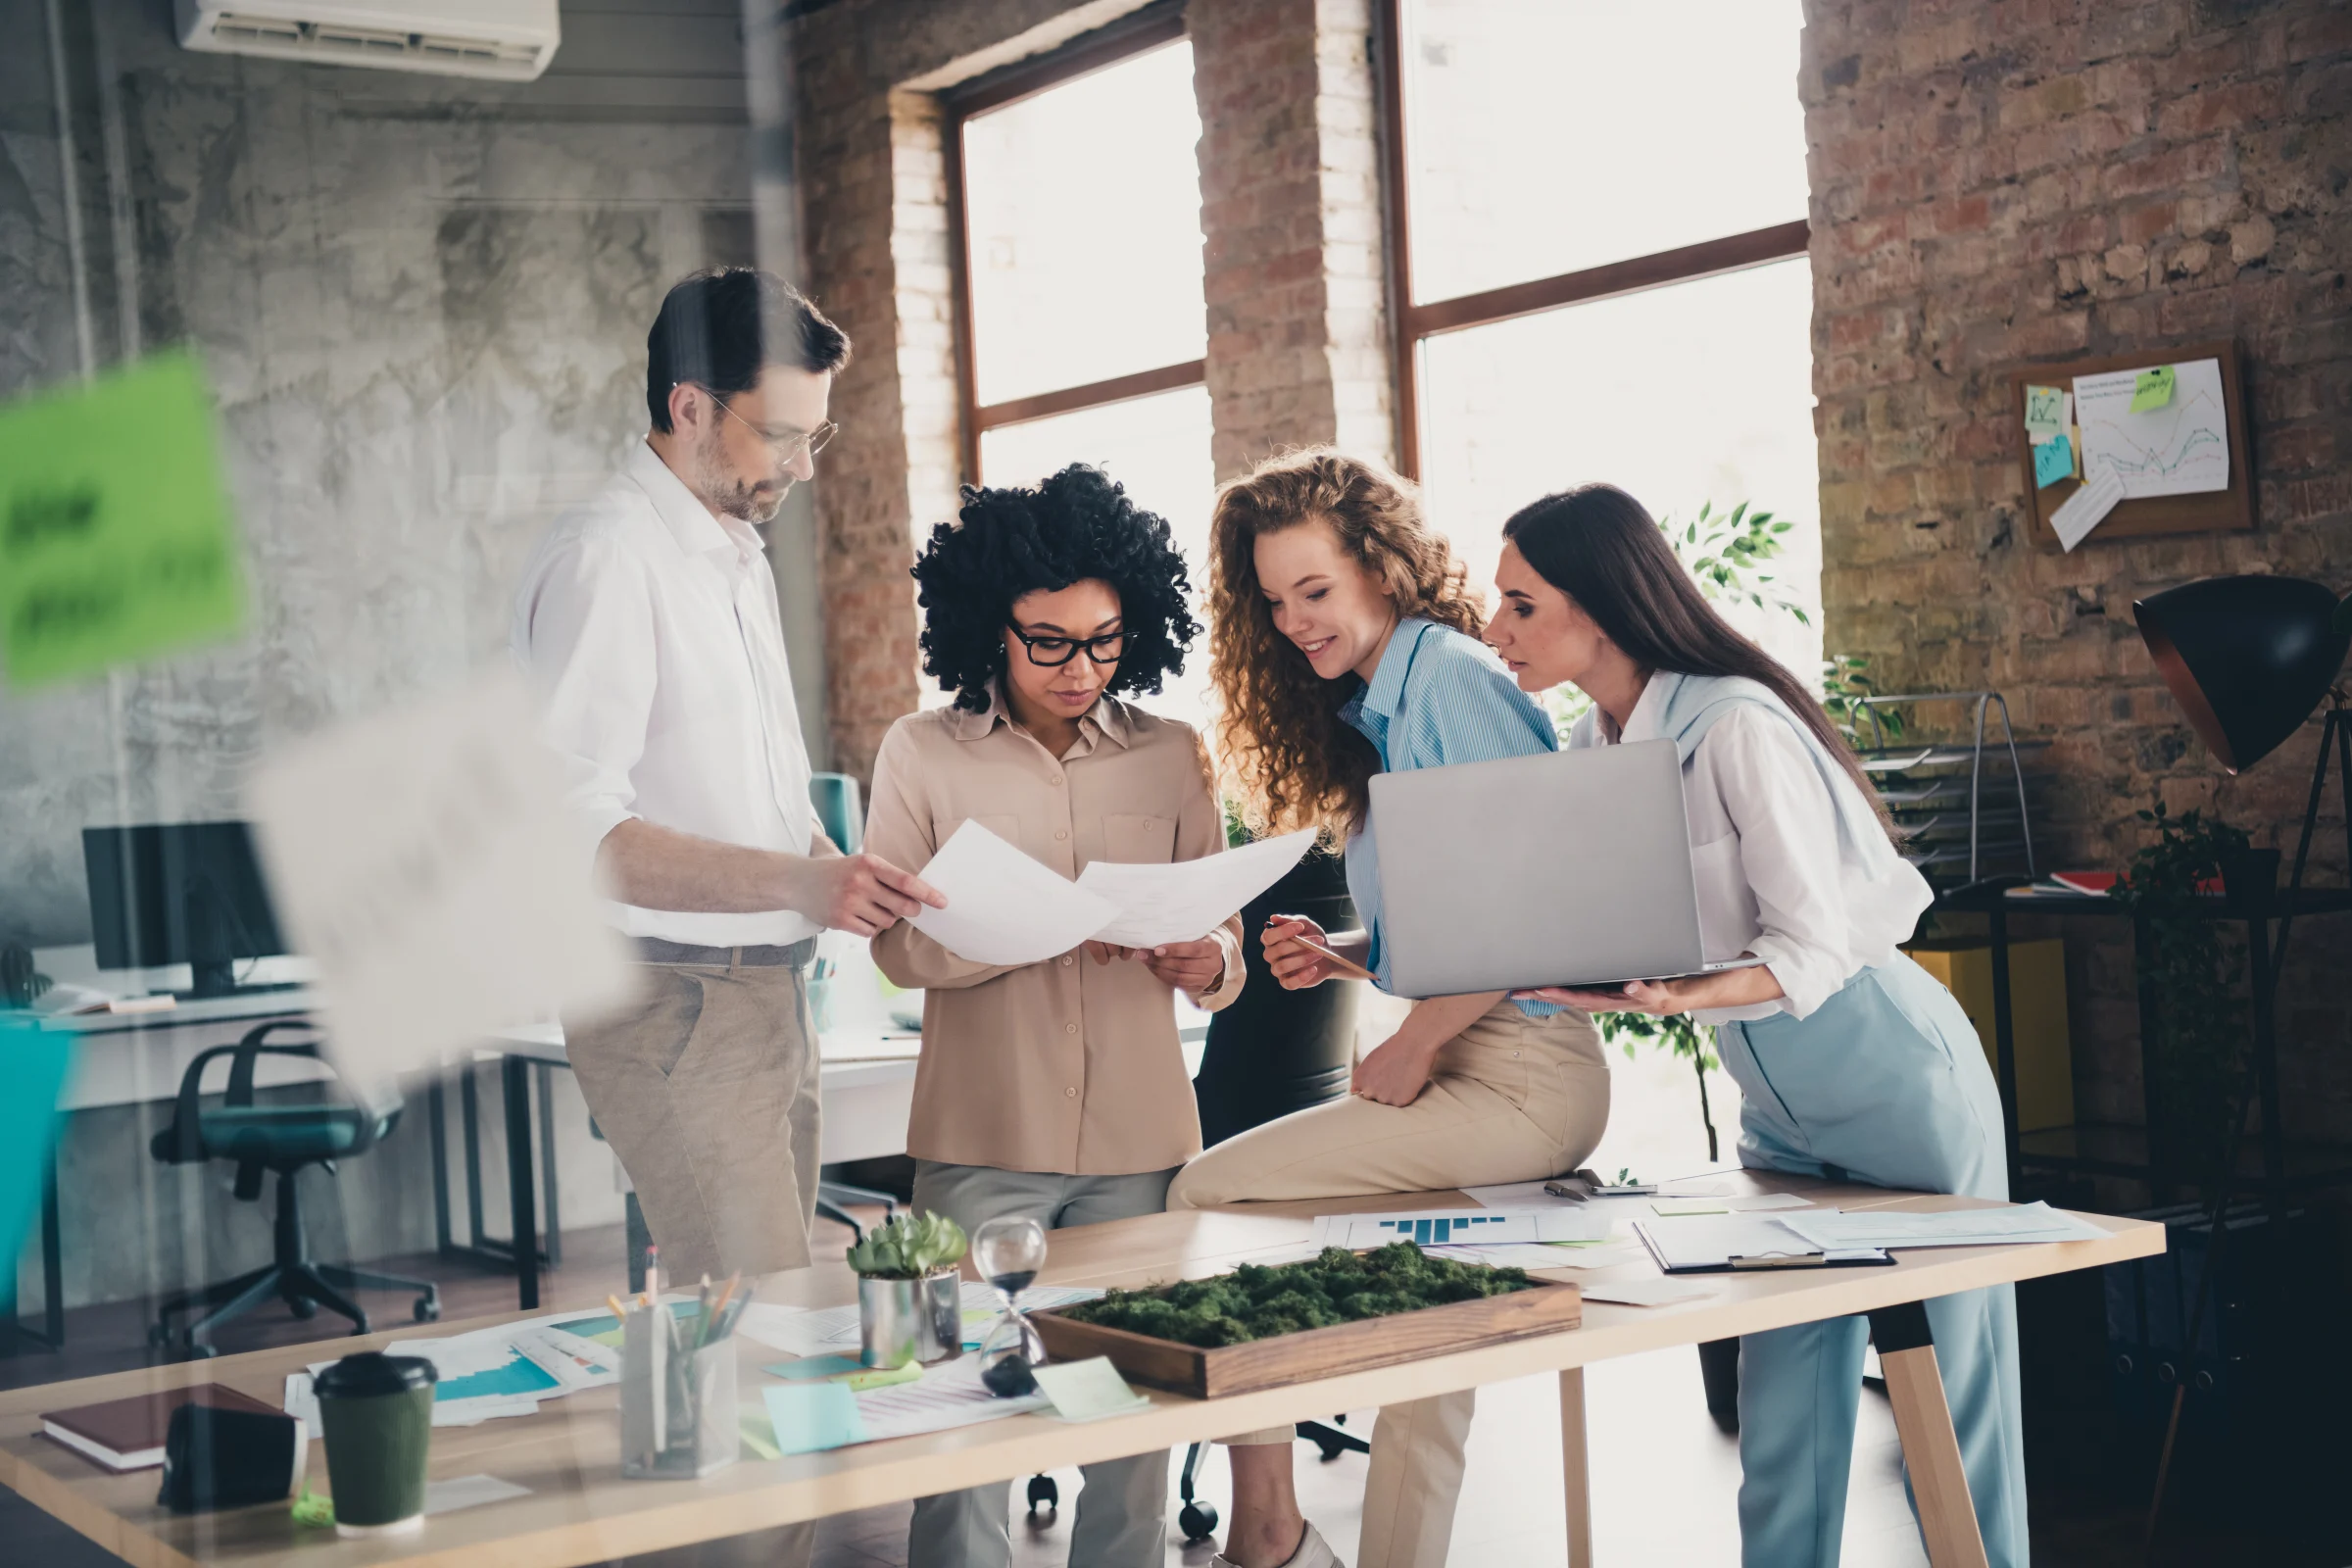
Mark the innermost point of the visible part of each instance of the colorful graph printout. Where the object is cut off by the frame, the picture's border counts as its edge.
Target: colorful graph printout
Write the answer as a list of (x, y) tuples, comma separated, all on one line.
[(2178, 449)]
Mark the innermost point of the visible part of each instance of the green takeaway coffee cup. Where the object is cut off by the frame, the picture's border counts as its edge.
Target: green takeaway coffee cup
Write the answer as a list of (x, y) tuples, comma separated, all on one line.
[(378, 1413)]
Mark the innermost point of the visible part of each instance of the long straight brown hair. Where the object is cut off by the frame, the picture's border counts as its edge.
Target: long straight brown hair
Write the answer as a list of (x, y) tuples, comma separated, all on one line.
[(1604, 550)]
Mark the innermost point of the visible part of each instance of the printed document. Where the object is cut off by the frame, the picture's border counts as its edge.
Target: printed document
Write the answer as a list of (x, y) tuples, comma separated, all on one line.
[(2010, 1225), (1184, 899)]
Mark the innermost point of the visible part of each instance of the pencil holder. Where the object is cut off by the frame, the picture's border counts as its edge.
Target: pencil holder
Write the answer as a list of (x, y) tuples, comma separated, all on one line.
[(678, 1411)]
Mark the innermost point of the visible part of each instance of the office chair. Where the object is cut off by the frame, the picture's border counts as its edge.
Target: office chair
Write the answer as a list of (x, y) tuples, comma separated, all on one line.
[(280, 1138)]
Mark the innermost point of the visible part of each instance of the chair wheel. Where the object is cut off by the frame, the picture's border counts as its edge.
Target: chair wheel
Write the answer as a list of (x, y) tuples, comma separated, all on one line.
[(426, 1310), (1330, 1450), (1198, 1521), (302, 1307), (1045, 1490)]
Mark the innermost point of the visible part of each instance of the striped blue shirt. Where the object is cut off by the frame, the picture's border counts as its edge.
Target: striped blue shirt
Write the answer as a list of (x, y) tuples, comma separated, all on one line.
[(1437, 696)]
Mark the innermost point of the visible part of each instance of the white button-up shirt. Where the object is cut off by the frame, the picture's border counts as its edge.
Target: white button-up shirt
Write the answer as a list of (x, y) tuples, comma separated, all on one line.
[(651, 630), (1774, 876)]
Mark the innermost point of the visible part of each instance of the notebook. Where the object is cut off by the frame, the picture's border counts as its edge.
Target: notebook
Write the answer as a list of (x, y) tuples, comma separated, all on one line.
[(129, 1433), (1720, 1243)]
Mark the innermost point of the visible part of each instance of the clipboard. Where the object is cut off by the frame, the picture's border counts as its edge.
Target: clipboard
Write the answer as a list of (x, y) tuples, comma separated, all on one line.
[(1739, 1244)]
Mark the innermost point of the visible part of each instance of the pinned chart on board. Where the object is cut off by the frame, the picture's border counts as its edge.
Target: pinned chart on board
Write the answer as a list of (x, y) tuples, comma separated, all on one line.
[(2162, 430), (116, 538), (1005, 908)]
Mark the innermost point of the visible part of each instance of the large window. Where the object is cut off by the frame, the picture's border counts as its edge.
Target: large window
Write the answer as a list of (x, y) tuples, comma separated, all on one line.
[(1083, 327), (1598, 234)]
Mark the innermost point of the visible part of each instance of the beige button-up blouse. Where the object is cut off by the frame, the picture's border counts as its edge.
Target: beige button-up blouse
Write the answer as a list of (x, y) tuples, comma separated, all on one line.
[(1067, 1066)]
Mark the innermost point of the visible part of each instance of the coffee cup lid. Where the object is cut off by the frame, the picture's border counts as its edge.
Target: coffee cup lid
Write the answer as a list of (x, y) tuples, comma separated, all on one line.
[(371, 1372)]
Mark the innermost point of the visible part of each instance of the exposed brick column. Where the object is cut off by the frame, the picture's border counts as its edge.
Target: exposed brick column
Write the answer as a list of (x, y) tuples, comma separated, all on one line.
[(2000, 186), (1291, 207)]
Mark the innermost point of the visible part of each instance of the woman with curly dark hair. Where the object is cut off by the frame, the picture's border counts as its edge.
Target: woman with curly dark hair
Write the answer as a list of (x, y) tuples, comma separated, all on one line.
[(1344, 644), (1056, 1088)]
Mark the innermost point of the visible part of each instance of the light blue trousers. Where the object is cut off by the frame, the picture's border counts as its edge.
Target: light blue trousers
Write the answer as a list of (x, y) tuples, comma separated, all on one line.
[(1884, 1083), (1123, 1508)]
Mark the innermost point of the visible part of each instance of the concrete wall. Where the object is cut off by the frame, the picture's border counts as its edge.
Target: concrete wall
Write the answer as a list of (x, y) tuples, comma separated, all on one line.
[(422, 303)]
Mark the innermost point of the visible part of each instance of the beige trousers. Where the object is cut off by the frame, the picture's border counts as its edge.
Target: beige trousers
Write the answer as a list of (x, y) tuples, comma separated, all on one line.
[(707, 1090), (1512, 1098)]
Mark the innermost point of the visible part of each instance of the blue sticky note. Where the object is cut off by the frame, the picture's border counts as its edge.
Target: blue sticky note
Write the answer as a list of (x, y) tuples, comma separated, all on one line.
[(2053, 461), (32, 1076), (814, 1416)]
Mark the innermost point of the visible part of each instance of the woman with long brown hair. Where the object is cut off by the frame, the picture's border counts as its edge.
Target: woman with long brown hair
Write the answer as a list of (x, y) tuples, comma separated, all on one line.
[(1851, 1059), (1343, 642)]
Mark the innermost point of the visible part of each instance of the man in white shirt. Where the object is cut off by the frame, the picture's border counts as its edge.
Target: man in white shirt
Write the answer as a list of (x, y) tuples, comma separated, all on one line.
[(648, 618)]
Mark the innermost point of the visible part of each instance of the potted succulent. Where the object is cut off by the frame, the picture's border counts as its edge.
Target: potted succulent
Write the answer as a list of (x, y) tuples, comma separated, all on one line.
[(909, 1294)]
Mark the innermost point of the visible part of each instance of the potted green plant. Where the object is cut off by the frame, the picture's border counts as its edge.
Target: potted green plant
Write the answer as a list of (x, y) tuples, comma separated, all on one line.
[(909, 1292)]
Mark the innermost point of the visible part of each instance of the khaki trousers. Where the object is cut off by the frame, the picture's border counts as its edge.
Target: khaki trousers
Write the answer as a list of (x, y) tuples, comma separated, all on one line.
[(707, 1090), (1512, 1098)]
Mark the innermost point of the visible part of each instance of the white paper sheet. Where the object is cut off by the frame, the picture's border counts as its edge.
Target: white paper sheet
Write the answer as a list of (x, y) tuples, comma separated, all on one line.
[(1442, 1227), (2010, 1225), (422, 855), (2180, 449), (468, 1492), (950, 1394), (1656, 1291), (1003, 906), (1753, 1204), (1184, 899), (2086, 507), (1509, 1254)]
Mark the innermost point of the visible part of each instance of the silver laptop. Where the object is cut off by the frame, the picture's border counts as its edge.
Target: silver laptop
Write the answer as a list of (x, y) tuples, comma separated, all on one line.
[(1563, 868)]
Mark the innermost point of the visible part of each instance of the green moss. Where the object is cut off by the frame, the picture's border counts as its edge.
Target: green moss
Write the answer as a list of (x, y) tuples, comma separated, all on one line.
[(1256, 1302)]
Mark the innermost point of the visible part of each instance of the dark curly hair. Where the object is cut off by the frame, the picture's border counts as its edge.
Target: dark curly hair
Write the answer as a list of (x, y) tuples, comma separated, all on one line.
[(1012, 541)]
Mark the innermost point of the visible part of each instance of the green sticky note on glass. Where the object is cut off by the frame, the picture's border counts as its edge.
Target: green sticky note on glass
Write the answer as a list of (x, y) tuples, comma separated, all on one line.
[(2153, 390), (812, 1416), (1088, 1390), (2053, 461), (116, 542), (2045, 412)]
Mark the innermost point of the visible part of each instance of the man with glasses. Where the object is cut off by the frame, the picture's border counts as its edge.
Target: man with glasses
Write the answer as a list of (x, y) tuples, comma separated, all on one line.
[(649, 619)]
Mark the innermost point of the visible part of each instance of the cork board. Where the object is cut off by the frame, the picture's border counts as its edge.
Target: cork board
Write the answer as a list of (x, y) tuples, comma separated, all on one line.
[(2214, 510)]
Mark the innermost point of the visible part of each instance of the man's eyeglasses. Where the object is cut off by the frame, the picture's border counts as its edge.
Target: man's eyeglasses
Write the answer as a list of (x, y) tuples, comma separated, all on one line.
[(790, 445), (1055, 652)]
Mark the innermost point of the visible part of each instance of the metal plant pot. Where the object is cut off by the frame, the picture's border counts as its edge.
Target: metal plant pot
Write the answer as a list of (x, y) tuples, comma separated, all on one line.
[(899, 1321)]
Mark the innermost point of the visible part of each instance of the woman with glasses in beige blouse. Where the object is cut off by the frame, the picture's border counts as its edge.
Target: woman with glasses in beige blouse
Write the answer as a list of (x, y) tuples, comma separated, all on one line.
[(1056, 1088)]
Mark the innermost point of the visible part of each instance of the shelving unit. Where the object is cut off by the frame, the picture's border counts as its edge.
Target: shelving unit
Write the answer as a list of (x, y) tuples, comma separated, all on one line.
[(1964, 806)]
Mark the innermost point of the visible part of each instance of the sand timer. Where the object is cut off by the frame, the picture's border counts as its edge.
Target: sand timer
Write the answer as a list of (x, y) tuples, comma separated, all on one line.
[(1009, 1251)]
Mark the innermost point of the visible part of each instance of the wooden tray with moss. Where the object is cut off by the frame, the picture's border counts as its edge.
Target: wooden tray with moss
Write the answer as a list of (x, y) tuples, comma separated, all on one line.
[(1342, 1312)]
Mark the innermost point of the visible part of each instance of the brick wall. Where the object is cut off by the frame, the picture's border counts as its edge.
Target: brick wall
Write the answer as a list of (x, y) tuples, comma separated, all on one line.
[(1291, 207), (2003, 184), (1298, 336)]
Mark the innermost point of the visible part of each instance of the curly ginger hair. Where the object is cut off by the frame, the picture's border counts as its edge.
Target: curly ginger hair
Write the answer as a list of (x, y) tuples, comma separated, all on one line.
[(1289, 757)]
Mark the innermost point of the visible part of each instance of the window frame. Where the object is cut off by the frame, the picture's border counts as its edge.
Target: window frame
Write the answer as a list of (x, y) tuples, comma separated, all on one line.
[(1411, 325), (1155, 26)]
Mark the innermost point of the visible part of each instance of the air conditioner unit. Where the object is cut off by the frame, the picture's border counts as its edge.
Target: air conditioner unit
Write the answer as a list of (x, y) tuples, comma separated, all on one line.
[(508, 40)]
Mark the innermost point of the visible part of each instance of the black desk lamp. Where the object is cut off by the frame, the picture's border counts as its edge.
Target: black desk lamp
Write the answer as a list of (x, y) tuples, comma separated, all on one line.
[(2248, 659)]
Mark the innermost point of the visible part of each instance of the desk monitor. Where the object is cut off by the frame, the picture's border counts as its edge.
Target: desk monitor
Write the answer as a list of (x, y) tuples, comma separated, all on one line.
[(179, 893)]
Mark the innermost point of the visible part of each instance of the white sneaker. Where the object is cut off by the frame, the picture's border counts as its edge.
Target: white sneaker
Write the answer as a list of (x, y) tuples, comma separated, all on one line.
[(1314, 1553)]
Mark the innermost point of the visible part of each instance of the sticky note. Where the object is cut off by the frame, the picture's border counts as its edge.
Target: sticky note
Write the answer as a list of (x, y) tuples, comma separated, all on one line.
[(1088, 1389), (430, 840), (2053, 461), (115, 534), (2045, 412), (809, 1417), (2153, 390), (847, 1370), (32, 1076)]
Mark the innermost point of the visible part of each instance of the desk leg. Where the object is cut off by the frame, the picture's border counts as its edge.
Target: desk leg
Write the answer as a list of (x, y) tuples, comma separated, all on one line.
[(1575, 1469), (1948, 1515), (515, 1074)]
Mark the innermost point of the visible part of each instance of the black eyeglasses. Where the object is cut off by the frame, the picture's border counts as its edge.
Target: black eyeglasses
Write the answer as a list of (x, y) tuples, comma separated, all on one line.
[(1055, 652)]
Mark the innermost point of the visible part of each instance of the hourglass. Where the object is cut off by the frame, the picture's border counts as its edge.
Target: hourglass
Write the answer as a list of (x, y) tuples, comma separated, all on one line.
[(1009, 1251)]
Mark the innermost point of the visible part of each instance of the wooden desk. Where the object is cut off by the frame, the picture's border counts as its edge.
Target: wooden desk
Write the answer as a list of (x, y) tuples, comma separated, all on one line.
[(580, 1511)]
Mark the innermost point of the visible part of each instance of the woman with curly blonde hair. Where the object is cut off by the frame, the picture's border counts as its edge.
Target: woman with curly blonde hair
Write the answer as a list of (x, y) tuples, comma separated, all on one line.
[(1344, 641)]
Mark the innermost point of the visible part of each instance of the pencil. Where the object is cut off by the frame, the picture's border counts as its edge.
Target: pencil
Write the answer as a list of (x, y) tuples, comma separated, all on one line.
[(621, 1313)]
